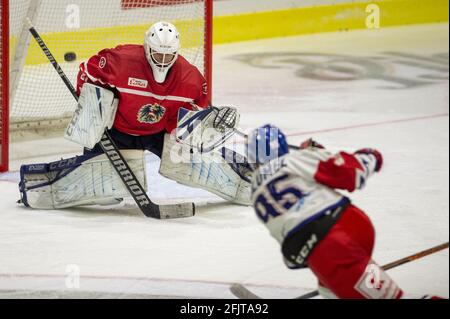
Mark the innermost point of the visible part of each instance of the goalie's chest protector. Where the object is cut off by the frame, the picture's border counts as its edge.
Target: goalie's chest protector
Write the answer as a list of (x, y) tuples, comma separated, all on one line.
[(145, 106)]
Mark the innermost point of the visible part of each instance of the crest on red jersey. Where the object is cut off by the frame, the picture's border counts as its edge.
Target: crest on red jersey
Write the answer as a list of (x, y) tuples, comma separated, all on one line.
[(151, 113)]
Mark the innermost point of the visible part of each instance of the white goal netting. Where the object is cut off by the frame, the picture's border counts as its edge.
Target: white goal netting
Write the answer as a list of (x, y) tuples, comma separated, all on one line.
[(74, 30)]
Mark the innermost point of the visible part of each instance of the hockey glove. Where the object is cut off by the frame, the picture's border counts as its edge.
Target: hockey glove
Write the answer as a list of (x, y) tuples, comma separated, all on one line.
[(310, 144), (376, 154), (226, 118)]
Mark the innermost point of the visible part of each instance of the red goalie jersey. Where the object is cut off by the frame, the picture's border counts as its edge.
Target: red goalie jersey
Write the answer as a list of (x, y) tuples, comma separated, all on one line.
[(145, 106)]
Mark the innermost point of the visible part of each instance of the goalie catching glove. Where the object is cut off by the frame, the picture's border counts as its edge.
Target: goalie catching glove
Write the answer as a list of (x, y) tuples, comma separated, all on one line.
[(207, 129), (227, 118)]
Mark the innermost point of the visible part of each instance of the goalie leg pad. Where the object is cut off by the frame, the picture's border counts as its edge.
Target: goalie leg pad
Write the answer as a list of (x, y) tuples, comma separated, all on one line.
[(227, 180), (79, 181)]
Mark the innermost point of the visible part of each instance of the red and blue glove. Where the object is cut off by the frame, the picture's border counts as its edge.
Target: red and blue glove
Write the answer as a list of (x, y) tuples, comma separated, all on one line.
[(376, 154)]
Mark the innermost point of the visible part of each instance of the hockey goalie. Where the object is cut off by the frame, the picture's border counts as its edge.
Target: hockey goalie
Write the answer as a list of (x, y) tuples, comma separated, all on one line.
[(140, 94)]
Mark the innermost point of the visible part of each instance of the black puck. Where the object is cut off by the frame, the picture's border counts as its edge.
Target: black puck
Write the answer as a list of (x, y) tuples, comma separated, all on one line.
[(70, 56)]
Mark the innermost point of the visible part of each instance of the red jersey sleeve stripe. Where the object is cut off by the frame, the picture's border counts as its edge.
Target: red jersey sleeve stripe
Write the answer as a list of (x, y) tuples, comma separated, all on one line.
[(156, 96)]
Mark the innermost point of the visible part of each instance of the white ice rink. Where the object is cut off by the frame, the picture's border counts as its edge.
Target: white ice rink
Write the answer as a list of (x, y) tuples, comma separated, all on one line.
[(386, 89)]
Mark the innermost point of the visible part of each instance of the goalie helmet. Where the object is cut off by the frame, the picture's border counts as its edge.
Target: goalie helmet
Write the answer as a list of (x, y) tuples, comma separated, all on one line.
[(162, 43), (265, 144)]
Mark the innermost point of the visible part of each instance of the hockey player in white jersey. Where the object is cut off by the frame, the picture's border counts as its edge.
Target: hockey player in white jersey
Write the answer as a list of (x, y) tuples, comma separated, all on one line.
[(295, 196)]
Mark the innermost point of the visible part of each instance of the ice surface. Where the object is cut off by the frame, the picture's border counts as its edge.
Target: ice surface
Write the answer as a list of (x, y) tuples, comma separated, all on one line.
[(386, 89)]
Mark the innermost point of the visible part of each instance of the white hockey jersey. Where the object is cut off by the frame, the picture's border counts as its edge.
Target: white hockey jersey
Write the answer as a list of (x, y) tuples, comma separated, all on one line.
[(302, 188)]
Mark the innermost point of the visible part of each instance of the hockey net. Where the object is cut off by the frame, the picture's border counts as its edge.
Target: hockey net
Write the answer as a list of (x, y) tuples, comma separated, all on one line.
[(74, 30)]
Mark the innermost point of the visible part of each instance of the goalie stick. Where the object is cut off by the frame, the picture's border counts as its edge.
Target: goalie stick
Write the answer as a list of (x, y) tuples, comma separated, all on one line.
[(122, 168), (242, 292)]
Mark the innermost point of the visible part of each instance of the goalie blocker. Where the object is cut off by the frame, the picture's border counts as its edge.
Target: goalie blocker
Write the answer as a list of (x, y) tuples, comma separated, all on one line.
[(95, 112)]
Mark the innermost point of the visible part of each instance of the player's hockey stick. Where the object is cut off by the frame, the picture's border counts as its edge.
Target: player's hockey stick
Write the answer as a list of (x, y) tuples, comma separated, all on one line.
[(122, 168), (242, 292)]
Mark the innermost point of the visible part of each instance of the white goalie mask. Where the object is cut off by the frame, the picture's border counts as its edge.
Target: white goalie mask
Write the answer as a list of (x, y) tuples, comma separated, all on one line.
[(162, 43)]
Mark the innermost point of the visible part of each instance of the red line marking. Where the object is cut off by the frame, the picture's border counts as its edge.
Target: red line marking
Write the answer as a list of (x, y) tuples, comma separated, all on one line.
[(335, 129), (368, 125)]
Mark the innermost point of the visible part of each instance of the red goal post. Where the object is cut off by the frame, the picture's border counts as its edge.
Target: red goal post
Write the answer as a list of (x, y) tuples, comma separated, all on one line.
[(4, 66)]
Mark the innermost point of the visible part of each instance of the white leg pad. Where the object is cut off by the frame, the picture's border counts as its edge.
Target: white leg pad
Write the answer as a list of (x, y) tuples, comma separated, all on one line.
[(206, 171), (78, 181)]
